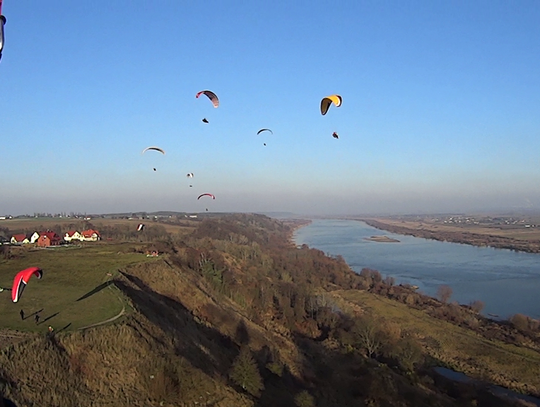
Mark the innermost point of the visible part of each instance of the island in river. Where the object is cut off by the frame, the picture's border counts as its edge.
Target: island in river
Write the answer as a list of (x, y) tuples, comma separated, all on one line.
[(382, 239)]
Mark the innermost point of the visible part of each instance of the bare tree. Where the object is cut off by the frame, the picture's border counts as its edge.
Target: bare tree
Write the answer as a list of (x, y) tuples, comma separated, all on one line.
[(444, 293), (368, 335), (477, 306)]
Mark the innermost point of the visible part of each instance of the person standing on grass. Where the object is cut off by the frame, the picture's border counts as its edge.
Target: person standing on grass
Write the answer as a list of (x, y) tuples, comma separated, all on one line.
[(36, 318), (22, 314)]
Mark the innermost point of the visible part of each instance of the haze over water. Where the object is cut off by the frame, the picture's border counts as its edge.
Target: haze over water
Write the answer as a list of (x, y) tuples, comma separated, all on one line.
[(507, 282)]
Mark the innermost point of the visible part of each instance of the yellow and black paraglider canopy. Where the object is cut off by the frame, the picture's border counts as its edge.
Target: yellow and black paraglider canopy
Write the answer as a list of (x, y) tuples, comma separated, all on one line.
[(328, 100)]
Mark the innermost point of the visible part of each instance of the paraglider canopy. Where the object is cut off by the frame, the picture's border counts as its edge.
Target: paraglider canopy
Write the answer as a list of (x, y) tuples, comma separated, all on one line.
[(21, 279), (261, 130), (154, 149), (205, 120), (328, 100), (2, 22), (211, 95), (210, 195)]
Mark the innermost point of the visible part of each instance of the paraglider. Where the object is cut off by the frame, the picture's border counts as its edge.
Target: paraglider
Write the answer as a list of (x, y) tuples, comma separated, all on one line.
[(263, 130), (328, 100), (335, 135), (2, 22), (205, 120), (210, 195), (21, 279), (190, 175), (211, 95), (153, 148)]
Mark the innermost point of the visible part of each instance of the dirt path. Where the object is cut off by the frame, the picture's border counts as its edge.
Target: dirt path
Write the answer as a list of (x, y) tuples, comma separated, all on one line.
[(122, 312)]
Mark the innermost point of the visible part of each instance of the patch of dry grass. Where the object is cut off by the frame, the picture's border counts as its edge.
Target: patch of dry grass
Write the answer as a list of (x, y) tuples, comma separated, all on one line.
[(129, 364), (461, 349)]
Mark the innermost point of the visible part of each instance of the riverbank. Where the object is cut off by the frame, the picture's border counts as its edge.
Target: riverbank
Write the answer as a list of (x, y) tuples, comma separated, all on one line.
[(294, 225), (444, 234)]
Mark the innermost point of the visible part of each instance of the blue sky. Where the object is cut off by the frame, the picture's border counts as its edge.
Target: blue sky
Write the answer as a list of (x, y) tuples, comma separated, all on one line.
[(440, 113)]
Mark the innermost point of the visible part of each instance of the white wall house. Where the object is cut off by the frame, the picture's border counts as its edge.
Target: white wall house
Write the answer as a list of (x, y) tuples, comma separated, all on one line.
[(90, 235), (34, 237), (73, 235)]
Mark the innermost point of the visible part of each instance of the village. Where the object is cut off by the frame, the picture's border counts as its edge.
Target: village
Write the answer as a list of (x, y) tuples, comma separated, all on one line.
[(50, 238)]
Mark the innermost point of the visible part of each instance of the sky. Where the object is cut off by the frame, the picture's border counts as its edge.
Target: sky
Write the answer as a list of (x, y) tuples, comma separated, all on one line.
[(440, 112)]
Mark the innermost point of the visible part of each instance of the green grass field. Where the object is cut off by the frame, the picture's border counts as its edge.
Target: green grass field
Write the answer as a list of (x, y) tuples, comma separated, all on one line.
[(73, 292)]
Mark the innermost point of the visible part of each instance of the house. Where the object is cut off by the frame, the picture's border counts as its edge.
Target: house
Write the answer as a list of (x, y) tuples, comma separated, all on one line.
[(72, 235), (19, 238), (34, 237), (48, 238), (4, 240), (90, 235)]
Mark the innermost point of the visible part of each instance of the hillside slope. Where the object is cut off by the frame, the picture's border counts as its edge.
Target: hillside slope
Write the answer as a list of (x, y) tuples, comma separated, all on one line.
[(232, 315)]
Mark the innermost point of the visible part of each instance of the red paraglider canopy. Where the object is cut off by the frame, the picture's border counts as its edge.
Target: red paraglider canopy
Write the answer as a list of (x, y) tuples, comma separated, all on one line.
[(210, 195), (21, 279), (211, 95)]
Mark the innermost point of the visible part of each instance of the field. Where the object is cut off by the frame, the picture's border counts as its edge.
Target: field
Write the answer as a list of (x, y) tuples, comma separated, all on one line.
[(494, 228), (74, 292), (46, 223)]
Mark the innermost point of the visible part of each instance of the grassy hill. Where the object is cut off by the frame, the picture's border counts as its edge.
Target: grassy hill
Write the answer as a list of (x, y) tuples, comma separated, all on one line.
[(230, 314)]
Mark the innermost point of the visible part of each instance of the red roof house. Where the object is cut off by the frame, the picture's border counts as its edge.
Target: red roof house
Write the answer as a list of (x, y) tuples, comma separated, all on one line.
[(19, 239), (72, 235), (90, 235), (48, 238)]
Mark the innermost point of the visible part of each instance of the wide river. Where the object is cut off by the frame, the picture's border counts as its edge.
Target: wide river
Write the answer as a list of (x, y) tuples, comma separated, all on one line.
[(507, 282)]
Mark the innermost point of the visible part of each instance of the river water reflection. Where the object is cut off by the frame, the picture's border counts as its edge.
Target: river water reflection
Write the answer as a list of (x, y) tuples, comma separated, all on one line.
[(507, 282)]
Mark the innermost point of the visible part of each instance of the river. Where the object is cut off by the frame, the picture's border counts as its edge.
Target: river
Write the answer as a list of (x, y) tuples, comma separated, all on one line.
[(506, 282)]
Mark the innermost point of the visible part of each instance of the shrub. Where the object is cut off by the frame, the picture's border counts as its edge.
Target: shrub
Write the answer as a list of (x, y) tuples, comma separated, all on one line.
[(520, 321), (477, 306), (444, 293), (245, 373), (304, 399)]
